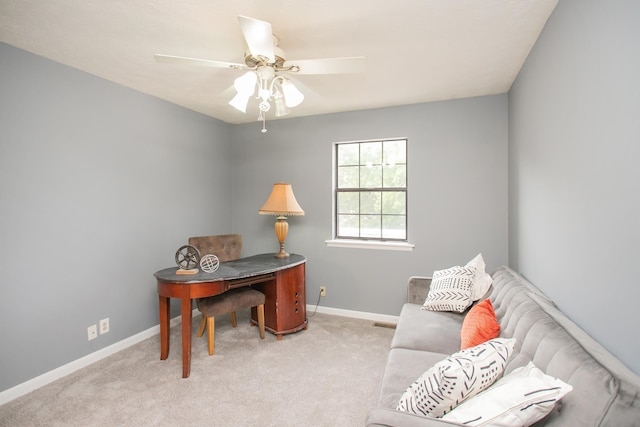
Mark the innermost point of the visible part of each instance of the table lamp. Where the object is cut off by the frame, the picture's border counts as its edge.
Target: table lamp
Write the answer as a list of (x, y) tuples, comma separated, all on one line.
[(282, 203)]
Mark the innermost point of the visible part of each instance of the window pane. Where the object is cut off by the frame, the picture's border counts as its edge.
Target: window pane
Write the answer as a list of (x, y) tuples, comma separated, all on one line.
[(348, 177), (348, 154), (371, 153), (394, 202), (349, 225), (395, 152), (348, 203), (395, 176), (370, 226), (371, 176), (370, 202), (394, 227)]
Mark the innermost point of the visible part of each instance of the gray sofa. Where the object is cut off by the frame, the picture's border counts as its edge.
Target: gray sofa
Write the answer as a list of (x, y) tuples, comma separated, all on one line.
[(605, 392)]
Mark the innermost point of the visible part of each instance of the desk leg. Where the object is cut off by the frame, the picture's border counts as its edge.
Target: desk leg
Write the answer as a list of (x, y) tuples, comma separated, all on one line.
[(164, 305), (186, 335)]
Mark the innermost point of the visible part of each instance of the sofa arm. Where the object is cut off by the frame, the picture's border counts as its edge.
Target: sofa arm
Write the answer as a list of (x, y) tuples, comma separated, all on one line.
[(383, 417), (418, 289)]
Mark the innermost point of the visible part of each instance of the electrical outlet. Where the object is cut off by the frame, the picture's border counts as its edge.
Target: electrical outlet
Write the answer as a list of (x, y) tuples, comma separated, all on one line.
[(104, 326), (323, 291), (92, 332)]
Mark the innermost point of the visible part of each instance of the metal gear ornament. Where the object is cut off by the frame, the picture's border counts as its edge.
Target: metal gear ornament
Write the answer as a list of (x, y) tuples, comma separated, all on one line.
[(187, 257)]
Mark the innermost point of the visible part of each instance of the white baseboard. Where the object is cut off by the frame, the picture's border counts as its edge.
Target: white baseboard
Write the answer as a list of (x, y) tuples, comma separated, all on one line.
[(384, 318), (64, 370)]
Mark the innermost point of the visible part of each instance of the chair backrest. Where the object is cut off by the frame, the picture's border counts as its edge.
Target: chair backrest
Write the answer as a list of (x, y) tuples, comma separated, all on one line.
[(226, 247)]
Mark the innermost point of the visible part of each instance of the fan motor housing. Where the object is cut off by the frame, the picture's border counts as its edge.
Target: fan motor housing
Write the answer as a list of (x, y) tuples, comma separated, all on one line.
[(253, 62)]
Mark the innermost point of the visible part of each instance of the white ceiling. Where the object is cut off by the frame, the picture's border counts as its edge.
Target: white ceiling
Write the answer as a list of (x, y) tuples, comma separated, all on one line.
[(416, 50)]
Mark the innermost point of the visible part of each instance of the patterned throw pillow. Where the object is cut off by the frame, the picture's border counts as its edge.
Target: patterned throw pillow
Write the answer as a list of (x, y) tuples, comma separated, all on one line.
[(450, 289), (481, 281), (479, 325), (457, 378), (521, 398)]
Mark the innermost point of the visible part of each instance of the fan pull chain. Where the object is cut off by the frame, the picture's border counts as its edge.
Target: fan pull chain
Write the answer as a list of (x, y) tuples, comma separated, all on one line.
[(264, 128)]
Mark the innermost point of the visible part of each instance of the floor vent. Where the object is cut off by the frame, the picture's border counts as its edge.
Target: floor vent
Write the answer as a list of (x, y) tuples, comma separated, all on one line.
[(385, 325)]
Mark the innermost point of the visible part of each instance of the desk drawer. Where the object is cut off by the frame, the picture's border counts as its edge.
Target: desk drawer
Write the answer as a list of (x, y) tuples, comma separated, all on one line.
[(237, 283)]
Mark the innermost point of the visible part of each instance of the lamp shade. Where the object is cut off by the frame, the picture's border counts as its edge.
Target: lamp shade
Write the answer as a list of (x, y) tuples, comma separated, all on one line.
[(281, 202)]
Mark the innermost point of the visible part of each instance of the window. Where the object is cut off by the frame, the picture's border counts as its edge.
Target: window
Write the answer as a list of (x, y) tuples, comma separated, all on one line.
[(371, 190)]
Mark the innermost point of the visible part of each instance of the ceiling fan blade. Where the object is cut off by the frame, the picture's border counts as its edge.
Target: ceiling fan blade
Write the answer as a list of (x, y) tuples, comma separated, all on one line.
[(196, 61), (259, 37), (347, 65)]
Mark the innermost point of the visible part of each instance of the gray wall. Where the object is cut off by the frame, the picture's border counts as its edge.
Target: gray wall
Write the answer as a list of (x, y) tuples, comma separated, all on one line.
[(99, 185), (457, 194), (574, 147)]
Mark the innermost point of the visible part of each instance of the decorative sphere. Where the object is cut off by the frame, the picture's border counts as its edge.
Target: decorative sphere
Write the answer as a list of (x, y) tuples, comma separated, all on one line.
[(209, 263), (264, 106)]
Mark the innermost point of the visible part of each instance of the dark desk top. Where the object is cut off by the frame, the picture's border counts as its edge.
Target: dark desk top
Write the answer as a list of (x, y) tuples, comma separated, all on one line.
[(236, 269)]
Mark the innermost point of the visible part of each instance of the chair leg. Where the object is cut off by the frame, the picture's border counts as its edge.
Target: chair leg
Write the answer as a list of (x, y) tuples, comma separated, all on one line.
[(234, 321), (203, 324), (210, 334), (261, 320)]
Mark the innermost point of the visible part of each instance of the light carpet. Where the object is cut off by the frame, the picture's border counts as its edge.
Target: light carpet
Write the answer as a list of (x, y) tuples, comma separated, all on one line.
[(327, 375)]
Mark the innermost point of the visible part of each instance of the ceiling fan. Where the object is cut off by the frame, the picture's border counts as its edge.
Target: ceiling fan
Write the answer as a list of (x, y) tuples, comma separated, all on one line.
[(267, 70)]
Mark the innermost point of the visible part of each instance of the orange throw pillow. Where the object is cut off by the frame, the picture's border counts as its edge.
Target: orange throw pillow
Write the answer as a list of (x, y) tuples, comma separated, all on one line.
[(479, 325)]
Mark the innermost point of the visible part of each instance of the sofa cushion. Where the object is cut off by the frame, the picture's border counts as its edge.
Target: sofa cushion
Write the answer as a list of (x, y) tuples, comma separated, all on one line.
[(434, 331), (457, 378), (402, 368), (521, 398), (450, 289), (479, 325)]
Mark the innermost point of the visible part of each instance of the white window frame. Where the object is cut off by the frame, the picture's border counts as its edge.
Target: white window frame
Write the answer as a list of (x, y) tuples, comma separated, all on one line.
[(373, 243)]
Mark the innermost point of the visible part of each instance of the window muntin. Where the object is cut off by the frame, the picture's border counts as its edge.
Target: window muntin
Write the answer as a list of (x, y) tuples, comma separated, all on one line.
[(371, 190)]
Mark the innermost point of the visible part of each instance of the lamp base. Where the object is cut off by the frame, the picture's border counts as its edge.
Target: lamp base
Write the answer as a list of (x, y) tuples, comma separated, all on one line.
[(282, 254), (282, 227)]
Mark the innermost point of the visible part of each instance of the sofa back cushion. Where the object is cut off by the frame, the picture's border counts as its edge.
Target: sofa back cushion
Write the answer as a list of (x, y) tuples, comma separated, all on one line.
[(604, 391)]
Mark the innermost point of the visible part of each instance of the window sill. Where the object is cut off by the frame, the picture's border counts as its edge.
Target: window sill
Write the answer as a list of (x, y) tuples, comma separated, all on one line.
[(369, 244)]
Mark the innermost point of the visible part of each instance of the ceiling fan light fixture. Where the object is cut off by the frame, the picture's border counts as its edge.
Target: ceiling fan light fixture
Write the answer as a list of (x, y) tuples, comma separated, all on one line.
[(292, 96), (240, 101), (245, 86), (265, 60), (278, 101), (246, 83)]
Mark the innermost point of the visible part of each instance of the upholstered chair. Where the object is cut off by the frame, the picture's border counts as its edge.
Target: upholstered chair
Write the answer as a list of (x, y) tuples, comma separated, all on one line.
[(227, 247)]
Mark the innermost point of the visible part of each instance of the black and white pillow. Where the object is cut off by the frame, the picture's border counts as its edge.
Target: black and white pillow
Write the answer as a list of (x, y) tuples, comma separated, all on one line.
[(457, 378), (481, 281), (520, 398), (450, 289)]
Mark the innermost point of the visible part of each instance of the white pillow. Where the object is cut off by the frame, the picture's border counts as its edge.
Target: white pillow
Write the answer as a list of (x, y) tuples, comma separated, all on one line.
[(481, 280), (450, 289), (457, 378), (521, 398)]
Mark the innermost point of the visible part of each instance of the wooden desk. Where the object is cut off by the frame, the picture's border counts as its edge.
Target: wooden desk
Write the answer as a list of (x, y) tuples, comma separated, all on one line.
[(281, 280)]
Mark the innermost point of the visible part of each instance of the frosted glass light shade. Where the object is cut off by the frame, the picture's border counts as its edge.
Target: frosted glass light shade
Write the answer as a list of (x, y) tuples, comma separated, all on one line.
[(281, 108), (240, 101), (246, 83), (292, 96)]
